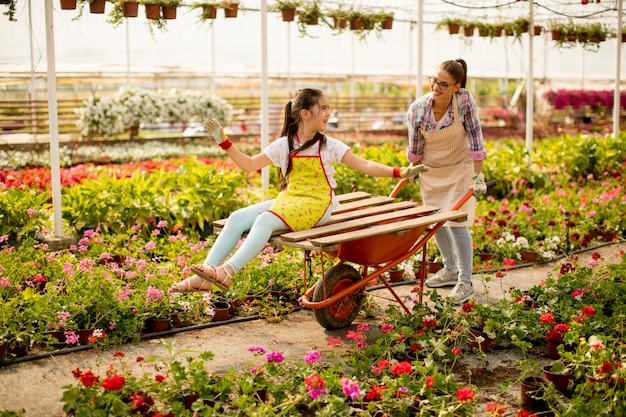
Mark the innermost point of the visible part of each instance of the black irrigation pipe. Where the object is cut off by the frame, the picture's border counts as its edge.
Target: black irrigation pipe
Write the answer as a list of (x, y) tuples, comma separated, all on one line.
[(177, 330), (145, 336)]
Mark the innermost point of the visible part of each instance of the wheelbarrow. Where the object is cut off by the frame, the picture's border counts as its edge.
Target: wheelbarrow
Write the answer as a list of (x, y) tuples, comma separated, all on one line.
[(375, 233)]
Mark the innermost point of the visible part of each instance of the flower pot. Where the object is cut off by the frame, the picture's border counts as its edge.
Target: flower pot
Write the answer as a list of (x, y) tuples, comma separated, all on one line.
[(68, 4), (555, 35), (84, 335), (609, 235), (97, 6), (155, 325), (387, 24), (340, 22), (532, 389), (486, 256), (3, 350), (231, 10), (356, 24), (560, 380), (479, 339), (433, 267), (288, 14), (537, 30), (209, 12), (153, 11), (395, 275), (131, 9), (468, 30), (553, 349), (18, 350), (169, 12), (221, 309), (529, 255), (453, 28)]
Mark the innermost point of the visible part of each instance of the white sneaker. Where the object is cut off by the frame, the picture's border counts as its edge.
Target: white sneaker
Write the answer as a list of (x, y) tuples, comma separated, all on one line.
[(462, 292), (443, 278)]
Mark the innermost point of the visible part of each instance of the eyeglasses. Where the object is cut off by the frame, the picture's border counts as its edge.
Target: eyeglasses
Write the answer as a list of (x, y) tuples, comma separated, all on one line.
[(442, 85)]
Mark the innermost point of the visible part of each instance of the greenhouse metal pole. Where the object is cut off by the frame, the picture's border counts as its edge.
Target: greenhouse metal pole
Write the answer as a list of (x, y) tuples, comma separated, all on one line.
[(618, 60), (265, 173), (530, 87), (420, 49), (53, 119)]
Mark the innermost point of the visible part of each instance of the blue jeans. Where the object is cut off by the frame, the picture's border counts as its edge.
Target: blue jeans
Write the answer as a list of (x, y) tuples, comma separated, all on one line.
[(260, 223), (455, 245)]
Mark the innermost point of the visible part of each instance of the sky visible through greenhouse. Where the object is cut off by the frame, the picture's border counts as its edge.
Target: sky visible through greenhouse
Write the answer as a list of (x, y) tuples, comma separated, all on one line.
[(232, 47)]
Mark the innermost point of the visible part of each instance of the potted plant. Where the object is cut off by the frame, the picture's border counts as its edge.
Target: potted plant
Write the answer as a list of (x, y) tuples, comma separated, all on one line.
[(231, 8), (452, 24), (121, 10), (208, 11), (339, 17), (169, 8), (309, 14), (560, 374), (287, 8)]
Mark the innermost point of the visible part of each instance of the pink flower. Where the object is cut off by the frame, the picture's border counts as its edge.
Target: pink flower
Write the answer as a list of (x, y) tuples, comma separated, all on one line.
[(257, 349), (277, 357), (350, 388), (316, 386), (312, 357)]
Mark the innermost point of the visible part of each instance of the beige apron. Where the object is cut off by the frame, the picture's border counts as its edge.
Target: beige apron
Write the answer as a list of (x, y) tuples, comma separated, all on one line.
[(308, 195), (446, 152)]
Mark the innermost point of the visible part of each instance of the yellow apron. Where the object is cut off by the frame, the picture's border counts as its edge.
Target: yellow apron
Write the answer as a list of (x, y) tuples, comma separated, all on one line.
[(308, 195), (446, 152)]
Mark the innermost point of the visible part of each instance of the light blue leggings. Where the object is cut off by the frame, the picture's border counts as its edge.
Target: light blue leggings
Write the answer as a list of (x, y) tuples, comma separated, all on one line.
[(455, 245), (260, 223)]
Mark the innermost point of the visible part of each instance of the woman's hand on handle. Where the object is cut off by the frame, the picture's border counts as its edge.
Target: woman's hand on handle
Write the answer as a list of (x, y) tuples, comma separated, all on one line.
[(478, 184)]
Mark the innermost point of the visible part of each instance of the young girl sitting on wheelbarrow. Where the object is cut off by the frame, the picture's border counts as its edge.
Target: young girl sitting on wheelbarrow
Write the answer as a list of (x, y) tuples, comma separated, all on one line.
[(305, 157)]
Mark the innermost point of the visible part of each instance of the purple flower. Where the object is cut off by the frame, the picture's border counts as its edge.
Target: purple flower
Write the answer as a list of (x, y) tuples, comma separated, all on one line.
[(277, 357), (350, 388), (312, 357), (257, 349)]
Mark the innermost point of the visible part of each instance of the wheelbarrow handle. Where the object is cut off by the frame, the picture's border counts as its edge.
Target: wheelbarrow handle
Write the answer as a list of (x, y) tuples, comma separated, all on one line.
[(469, 195)]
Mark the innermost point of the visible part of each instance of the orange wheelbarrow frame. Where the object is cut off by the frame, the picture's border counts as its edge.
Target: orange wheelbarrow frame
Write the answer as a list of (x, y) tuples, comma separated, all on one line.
[(382, 252)]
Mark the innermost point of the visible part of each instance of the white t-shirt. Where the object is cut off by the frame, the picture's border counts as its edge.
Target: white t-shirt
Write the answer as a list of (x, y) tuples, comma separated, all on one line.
[(332, 153)]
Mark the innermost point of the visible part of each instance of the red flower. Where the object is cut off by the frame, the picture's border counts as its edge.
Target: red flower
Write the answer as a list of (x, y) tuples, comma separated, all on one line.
[(376, 393), (588, 311), (561, 327), (114, 383), (160, 378), (430, 381), (467, 307), (456, 350), (605, 368), (429, 323), (465, 394), (547, 318), (77, 373), (119, 354), (400, 368), (88, 379), (495, 409), (554, 336)]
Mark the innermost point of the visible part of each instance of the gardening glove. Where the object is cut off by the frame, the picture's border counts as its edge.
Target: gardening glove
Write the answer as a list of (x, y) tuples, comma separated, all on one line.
[(216, 131), (478, 184), (413, 171)]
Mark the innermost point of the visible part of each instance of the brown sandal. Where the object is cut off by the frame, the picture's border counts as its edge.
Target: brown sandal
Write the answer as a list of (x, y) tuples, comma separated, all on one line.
[(211, 274), (185, 286)]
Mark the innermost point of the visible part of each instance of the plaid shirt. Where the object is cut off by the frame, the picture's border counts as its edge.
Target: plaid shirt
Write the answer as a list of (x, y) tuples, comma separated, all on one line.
[(420, 115)]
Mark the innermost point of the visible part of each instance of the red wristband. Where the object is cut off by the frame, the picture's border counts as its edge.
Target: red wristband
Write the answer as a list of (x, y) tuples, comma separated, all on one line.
[(226, 144), (396, 172)]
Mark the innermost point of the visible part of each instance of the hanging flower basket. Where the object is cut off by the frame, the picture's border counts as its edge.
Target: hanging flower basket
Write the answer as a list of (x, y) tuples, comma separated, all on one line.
[(356, 24), (231, 10), (288, 14), (387, 24), (468, 30), (454, 28), (556, 35), (68, 4), (537, 30), (153, 11), (209, 12), (169, 12), (340, 22), (97, 6), (131, 9)]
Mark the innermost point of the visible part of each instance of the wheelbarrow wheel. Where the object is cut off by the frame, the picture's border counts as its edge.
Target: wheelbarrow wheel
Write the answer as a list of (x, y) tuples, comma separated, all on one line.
[(341, 313)]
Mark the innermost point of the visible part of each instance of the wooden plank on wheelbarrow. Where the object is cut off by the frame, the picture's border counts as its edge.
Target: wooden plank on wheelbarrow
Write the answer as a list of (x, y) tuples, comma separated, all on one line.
[(388, 228), (385, 208), (342, 198), (355, 205), (357, 195), (362, 221)]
